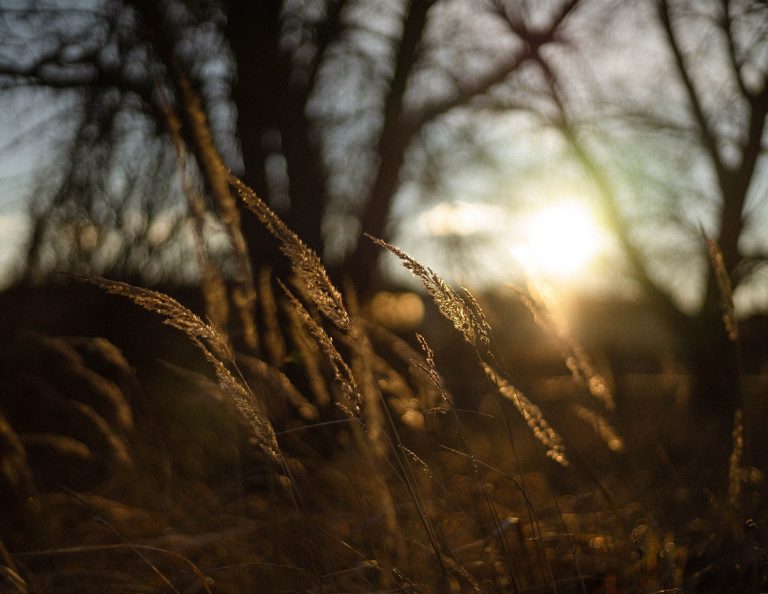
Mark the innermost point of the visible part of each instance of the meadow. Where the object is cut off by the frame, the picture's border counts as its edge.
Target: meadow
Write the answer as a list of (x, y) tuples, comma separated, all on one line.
[(158, 444)]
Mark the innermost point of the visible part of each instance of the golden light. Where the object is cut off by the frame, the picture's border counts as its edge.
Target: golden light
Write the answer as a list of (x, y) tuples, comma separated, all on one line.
[(460, 218), (560, 240), (401, 312)]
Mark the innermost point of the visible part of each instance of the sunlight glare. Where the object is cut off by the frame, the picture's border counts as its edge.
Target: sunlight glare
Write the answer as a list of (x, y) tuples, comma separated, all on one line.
[(560, 240), (459, 218)]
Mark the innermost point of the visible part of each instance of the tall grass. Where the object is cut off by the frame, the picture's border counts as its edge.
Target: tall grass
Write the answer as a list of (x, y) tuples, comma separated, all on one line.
[(331, 456)]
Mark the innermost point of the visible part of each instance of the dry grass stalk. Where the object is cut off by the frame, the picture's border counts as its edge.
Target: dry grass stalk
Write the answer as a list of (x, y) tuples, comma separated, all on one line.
[(400, 396), (107, 390), (64, 445), (106, 396), (462, 312), (403, 582), (378, 442), (305, 263), (278, 383), (125, 581), (213, 289), (576, 358), (375, 443), (417, 460), (214, 348), (362, 361), (601, 427), (725, 288), (311, 358), (91, 434), (215, 295), (174, 313), (430, 368), (216, 176), (468, 318), (389, 380), (13, 461), (376, 378), (459, 571), (104, 352), (532, 415), (735, 461), (352, 399), (10, 575), (247, 405), (117, 445), (274, 343), (422, 387), (483, 328)]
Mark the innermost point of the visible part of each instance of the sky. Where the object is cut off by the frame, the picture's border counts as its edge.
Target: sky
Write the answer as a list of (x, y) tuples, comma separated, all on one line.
[(16, 159), (532, 214), (484, 231)]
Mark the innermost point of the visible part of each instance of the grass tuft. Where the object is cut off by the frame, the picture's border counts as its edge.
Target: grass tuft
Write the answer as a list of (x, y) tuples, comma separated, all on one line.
[(306, 264), (214, 348)]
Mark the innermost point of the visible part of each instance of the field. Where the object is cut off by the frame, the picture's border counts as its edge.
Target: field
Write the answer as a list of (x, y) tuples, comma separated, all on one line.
[(143, 448)]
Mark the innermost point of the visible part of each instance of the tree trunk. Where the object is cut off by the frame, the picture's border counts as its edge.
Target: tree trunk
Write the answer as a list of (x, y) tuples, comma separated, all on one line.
[(394, 140), (272, 121)]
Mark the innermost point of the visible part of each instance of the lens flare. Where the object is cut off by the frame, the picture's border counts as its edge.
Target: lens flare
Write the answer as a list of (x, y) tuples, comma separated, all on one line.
[(560, 240)]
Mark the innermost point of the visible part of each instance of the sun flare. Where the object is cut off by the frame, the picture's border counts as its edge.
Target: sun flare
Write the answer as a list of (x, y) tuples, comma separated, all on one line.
[(560, 240), (460, 218)]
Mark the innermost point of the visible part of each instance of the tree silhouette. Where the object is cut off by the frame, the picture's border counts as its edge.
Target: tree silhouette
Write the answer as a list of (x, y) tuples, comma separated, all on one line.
[(280, 70), (719, 124), (323, 106)]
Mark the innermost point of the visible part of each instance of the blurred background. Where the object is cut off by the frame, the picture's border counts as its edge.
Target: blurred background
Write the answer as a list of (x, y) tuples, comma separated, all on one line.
[(593, 146), (577, 139)]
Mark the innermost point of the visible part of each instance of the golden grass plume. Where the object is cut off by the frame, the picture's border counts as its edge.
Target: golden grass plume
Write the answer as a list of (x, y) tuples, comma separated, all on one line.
[(469, 319), (576, 358), (214, 348), (352, 398), (462, 312), (532, 416), (305, 263)]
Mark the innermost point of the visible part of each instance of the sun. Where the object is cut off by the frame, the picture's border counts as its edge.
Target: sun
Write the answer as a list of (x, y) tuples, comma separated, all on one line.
[(560, 240)]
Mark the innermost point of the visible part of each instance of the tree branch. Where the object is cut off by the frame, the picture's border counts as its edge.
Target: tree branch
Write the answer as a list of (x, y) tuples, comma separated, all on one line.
[(726, 25), (393, 140), (327, 33), (400, 126), (740, 179), (707, 136), (198, 135), (416, 120), (607, 197), (465, 93)]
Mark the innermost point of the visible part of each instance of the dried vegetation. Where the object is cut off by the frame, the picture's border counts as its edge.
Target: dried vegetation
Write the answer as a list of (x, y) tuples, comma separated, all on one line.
[(335, 459)]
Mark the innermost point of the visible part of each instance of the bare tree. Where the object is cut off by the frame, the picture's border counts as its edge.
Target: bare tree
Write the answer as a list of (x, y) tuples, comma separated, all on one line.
[(280, 69), (704, 111), (327, 109)]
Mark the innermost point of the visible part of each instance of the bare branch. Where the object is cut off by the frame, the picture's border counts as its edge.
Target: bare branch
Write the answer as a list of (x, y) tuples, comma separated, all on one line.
[(52, 72), (329, 31), (707, 136), (394, 138), (607, 197), (464, 93), (401, 126), (726, 25)]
